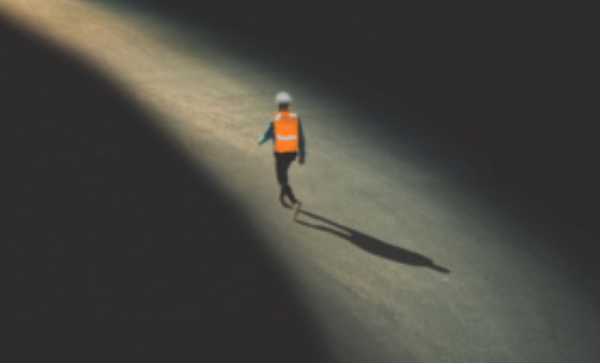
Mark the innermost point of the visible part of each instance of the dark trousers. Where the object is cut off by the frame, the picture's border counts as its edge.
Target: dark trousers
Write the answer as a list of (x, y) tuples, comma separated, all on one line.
[(282, 164)]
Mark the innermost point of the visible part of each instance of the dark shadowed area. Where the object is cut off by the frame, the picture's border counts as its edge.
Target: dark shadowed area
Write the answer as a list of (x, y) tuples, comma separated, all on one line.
[(440, 236), (502, 83), (114, 247)]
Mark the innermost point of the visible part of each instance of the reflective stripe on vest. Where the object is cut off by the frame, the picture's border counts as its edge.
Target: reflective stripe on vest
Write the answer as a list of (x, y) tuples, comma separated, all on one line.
[(286, 132)]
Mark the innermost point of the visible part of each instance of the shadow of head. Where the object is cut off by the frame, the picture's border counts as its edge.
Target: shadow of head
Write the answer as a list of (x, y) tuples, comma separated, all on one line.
[(371, 244)]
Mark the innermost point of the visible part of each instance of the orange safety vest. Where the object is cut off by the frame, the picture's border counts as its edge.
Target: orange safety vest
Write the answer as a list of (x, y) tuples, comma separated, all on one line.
[(286, 132)]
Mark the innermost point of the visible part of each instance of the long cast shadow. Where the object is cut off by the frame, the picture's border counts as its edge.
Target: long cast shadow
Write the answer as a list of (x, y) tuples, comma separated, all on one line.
[(372, 244)]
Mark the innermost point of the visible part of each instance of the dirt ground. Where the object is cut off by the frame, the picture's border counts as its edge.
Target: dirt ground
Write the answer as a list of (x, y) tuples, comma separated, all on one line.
[(399, 256)]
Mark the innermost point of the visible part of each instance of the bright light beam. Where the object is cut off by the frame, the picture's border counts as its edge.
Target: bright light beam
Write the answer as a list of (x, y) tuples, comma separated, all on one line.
[(214, 101)]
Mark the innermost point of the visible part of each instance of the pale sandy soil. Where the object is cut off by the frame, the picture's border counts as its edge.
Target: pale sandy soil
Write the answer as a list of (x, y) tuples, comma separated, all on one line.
[(505, 298)]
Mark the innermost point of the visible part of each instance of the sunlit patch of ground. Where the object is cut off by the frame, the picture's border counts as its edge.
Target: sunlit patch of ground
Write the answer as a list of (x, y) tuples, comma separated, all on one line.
[(505, 297)]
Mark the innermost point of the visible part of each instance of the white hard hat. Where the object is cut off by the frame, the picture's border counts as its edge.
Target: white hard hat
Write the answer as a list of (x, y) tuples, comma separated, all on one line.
[(283, 98)]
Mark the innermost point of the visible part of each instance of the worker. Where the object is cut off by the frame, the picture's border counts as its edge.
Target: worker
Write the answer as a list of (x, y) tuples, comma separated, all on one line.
[(289, 144)]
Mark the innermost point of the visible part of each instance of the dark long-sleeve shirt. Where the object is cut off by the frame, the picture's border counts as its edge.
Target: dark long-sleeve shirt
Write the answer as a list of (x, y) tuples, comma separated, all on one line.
[(270, 134)]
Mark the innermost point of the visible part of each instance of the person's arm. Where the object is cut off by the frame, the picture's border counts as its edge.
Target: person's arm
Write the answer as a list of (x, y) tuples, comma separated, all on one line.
[(301, 142), (268, 134)]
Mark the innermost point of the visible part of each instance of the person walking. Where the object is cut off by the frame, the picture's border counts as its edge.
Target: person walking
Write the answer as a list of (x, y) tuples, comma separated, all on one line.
[(285, 129)]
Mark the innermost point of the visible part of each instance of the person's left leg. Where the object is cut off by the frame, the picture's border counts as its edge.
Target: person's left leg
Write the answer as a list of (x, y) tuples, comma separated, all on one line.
[(286, 189), (281, 174)]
